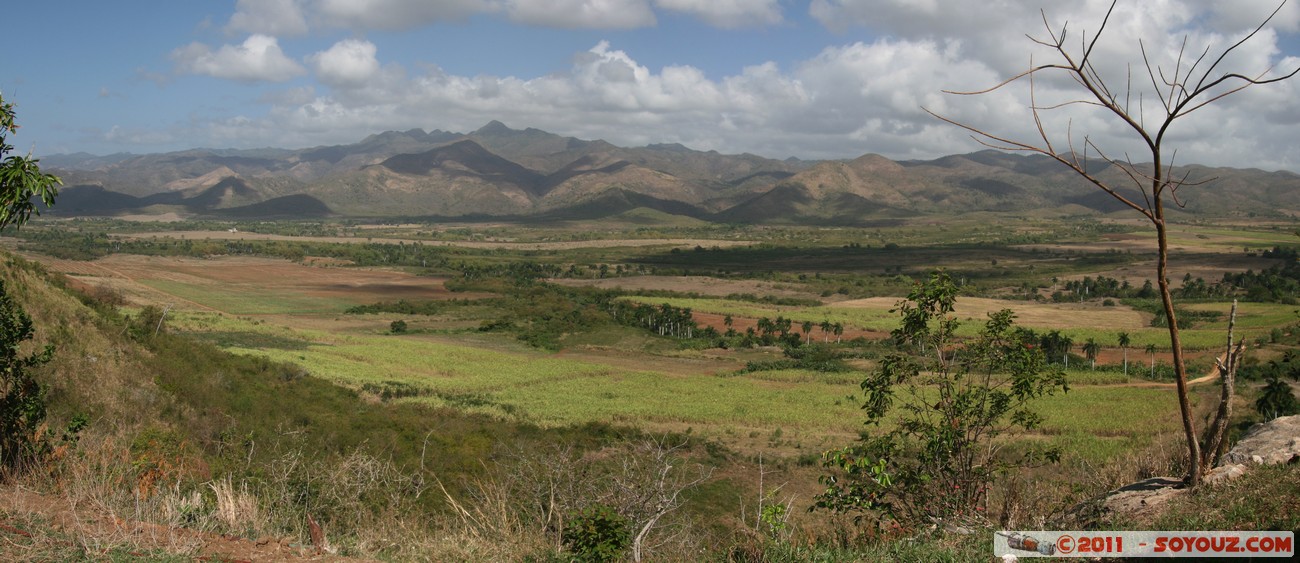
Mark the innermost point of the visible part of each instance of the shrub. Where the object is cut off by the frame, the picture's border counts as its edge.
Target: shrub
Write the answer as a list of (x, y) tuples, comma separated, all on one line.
[(1276, 398), (956, 400), (597, 533), (149, 322), (22, 401)]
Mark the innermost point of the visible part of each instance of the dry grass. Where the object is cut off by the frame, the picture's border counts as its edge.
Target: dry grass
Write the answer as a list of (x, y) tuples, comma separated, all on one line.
[(101, 499), (235, 507)]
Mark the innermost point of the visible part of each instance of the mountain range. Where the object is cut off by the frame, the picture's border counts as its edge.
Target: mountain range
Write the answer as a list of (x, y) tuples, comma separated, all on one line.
[(501, 172)]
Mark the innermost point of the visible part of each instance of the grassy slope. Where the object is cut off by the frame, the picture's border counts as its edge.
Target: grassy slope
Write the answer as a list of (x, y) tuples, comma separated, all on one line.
[(168, 409)]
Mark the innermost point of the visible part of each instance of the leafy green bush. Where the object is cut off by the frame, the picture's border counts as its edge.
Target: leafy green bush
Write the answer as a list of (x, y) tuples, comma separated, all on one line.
[(597, 533), (1276, 398), (956, 400), (148, 322), (22, 401)]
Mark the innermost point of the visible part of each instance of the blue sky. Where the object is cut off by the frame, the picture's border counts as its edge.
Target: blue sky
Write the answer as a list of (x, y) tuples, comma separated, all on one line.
[(812, 79)]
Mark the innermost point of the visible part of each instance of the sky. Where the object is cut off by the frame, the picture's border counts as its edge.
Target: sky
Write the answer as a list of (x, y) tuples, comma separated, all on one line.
[(779, 78)]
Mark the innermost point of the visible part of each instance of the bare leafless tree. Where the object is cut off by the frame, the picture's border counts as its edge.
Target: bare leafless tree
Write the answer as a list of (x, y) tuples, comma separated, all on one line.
[(1195, 81)]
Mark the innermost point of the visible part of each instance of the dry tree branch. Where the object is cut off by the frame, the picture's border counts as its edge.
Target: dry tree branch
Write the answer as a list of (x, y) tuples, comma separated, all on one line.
[(1005, 82), (1239, 43), (1192, 70), (1188, 86), (1065, 104), (1096, 37), (1248, 83), (1126, 166), (1151, 72), (1177, 100), (1010, 145)]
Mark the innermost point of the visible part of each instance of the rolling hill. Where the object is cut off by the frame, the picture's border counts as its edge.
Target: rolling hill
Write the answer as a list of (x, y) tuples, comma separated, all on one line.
[(504, 172)]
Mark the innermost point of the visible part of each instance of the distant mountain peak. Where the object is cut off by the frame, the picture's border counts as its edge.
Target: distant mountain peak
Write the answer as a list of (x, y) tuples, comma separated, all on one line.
[(673, 147), (498, 170), (493, 127)]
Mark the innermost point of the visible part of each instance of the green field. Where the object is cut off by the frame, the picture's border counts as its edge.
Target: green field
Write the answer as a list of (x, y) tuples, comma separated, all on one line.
[(1254, 320), (247, 300), (627, 375), (1095, 418)]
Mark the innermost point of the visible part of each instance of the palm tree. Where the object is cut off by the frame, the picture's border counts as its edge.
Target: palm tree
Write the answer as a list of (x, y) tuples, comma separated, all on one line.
[(1066, 344), (1090, 349), (783, 325), (807, 332), (826, 329), (1151, 349), (838, 328), (1124, 341)]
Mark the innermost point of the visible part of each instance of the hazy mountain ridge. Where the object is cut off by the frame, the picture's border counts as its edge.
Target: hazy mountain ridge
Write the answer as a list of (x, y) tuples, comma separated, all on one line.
[(499, 171)]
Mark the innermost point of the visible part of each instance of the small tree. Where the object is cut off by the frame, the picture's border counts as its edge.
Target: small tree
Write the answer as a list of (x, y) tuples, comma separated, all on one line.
[(22, 401), (1151, 350), (397, 327), (954, 400), (1194, 82), (21, 178)]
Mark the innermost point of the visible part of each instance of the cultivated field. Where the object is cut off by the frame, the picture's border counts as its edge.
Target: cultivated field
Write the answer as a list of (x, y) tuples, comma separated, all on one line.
[(248, 285), (294, 310)]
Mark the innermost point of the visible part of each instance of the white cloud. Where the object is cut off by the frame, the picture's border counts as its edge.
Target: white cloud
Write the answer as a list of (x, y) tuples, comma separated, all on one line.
[(1241, 15), (268, 17), (397, 14), (294, 17), (291, 17), (992, 34), (258, 59), (292, 96), (574, 14), (845, 101), (728, 13), (348, 63), (105, 93)]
